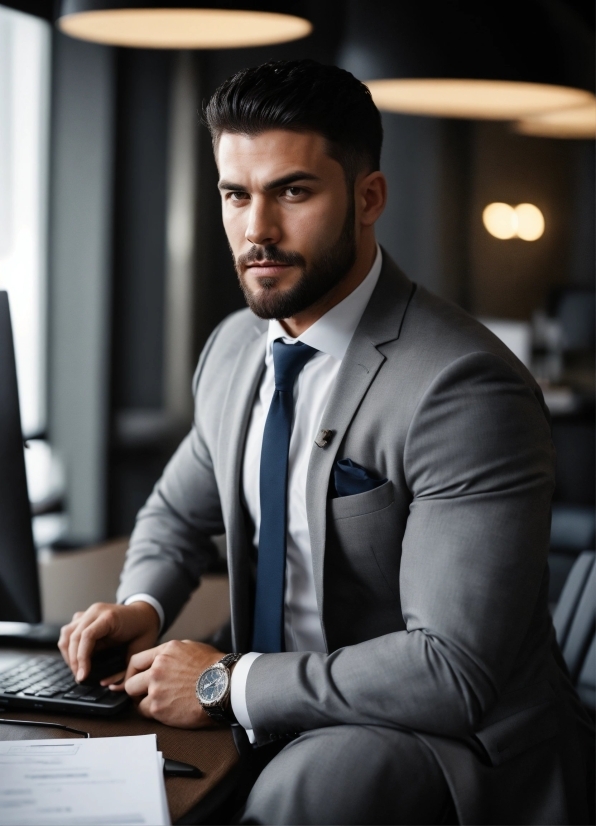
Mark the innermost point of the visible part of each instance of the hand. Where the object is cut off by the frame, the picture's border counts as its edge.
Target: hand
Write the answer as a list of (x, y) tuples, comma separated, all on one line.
[(162, 681), (103, 625)]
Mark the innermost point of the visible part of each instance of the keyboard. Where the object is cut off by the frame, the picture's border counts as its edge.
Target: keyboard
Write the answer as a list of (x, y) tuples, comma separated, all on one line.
[(46, 683)]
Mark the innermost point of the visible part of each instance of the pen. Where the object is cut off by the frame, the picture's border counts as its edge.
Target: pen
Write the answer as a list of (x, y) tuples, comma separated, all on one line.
[(174, 768)]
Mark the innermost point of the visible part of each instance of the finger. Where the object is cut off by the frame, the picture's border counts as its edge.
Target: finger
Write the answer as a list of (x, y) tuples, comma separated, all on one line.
[(142, 643), (141, 662), (65, 635), (64, 641), (73, 645), (144, 707), (138, 685), (99, 628), (77, 627), (115, 678)]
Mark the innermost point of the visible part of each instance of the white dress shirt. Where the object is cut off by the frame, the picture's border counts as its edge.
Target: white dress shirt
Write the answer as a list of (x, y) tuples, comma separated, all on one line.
[(330, 336)]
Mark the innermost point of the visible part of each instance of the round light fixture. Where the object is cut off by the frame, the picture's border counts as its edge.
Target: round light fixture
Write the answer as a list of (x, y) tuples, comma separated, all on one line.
[(530, 222), (161, 27), (484, 99), (499, 219), (499, 61), (503, 221), (576, 122)]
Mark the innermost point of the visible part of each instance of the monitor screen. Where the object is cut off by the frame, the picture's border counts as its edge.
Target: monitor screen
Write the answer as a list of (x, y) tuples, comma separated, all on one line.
[(19, 585)]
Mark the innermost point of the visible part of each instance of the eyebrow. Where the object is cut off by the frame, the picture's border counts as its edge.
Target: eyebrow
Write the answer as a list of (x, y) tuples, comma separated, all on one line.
[(286, 180)]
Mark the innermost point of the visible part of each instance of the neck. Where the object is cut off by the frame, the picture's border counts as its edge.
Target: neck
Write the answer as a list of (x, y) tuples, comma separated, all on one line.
[(365, 258)]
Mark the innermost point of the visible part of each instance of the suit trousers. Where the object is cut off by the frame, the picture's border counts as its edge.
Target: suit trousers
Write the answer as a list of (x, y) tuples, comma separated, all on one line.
[(351, 775)]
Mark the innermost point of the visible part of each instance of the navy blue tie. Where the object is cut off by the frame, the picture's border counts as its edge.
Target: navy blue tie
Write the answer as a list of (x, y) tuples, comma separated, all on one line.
[(268, 633)]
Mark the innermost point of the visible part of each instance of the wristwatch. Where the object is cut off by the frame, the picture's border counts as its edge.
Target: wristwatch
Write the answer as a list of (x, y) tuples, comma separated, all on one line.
[(213, 689)]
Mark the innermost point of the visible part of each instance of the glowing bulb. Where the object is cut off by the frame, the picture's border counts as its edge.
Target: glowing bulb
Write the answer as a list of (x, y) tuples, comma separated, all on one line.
[(500, 220), (530, 222), (503, 221)]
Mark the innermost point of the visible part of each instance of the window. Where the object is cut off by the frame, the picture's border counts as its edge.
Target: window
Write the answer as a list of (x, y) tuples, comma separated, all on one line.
[(24, 142), (24, 172)]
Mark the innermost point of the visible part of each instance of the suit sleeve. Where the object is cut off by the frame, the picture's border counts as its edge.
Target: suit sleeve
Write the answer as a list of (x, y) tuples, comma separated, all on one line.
[(478, 461), (171, 545)]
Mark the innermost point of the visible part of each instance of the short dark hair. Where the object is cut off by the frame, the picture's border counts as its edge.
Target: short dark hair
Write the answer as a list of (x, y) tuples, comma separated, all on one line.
[(302, 95)]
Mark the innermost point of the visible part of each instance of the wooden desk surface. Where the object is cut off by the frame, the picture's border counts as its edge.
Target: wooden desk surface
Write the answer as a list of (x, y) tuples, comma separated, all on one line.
[(211, 750)]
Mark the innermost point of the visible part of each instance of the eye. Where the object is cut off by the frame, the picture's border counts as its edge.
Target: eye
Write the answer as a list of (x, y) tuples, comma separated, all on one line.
[(238, 196), (293, 191)]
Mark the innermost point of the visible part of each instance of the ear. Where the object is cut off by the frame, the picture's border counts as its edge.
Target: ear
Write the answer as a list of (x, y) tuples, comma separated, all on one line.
[(371, 197)]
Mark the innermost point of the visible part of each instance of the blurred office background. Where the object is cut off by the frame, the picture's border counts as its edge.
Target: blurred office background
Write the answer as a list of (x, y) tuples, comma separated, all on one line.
[(117, 266)]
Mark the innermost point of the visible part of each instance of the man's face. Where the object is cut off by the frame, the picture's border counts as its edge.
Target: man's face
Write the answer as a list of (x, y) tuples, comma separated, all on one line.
[(288, 217)]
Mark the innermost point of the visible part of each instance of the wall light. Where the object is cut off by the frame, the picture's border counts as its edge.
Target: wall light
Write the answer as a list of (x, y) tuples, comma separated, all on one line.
[(576, 122), (530, 222), (154, 25), (503, 221)]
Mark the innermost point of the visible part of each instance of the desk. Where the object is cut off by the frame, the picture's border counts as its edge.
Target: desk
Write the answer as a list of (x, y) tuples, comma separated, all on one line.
[(211, 750), (72, 580)]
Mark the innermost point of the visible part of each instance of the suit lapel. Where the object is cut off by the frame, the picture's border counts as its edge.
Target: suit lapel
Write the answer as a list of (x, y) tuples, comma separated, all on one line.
[(380, 323), (235, 416)]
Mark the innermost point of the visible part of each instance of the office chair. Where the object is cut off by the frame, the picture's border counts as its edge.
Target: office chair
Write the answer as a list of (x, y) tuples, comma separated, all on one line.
[(575, 625)]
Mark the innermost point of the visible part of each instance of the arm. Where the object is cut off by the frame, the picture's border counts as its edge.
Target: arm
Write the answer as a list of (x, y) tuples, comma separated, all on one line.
[(478, 461), (171, 545), (170, 548)]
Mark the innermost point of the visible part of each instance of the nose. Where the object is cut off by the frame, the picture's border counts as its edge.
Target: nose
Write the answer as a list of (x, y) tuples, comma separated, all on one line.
[(262, 228)]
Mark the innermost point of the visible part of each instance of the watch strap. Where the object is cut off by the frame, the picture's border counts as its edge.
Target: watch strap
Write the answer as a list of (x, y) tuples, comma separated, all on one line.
[(222, 712), (230, 659)]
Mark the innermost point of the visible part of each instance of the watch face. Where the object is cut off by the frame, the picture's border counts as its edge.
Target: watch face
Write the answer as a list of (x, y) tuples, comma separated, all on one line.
[(213, 685)]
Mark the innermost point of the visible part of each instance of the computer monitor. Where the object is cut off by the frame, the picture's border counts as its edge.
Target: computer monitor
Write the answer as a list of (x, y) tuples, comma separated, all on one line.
[(19, 583)]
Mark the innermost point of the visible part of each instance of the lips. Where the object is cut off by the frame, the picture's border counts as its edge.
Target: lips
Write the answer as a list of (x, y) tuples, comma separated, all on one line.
[(267, 269), (267, 265)]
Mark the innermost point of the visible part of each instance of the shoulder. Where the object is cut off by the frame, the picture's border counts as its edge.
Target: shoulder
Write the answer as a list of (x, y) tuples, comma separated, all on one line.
[(225, 344), (238, 327), (439, 344), (435, 332), (443, 331), (450, 341)]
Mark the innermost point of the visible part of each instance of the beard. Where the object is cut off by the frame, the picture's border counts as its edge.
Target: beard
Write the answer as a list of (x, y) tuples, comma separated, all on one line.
[(328, 269)]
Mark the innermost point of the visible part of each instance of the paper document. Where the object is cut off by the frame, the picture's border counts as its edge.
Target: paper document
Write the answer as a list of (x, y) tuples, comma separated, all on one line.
[(96, 782)]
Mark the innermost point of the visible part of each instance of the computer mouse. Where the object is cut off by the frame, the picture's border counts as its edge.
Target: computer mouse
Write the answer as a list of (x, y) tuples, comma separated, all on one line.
[(106, 662)]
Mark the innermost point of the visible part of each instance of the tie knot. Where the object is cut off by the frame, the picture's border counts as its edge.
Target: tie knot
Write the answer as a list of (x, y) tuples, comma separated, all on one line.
[(288, 361)]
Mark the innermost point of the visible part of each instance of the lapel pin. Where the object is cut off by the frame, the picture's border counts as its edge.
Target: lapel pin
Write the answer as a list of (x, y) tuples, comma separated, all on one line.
[(323, 438)]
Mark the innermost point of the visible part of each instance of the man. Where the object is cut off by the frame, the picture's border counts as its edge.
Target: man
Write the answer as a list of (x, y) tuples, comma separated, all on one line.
[(382, 468)]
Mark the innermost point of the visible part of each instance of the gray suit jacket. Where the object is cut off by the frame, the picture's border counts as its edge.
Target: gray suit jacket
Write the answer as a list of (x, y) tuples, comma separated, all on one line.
[(432, 588)]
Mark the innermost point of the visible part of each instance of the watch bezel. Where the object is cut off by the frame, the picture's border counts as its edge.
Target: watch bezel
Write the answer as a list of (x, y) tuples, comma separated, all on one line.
[(213, 703)]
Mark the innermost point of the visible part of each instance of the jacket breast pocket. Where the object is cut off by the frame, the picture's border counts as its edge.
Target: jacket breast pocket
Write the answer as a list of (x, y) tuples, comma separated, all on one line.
[(369, 535), (361, 504)]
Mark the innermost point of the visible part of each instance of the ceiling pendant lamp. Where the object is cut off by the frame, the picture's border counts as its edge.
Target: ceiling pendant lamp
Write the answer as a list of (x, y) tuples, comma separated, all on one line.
[(464, 59), (578, 122), (471, 98), (181, 25)]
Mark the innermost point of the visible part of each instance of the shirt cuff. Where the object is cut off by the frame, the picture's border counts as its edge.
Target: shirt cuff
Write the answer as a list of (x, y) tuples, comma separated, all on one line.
[(238, 692), (152, 602)]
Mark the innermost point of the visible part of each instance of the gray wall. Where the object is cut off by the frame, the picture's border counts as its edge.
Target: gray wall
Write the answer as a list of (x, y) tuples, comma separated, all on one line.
[(409, 229), (80, 276)]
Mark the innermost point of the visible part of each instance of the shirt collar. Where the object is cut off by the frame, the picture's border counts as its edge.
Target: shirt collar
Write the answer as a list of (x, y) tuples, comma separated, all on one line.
[(332, 333)]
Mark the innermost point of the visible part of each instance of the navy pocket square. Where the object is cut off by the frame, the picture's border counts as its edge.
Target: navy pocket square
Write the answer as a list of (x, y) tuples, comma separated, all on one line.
[(351, 478)]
